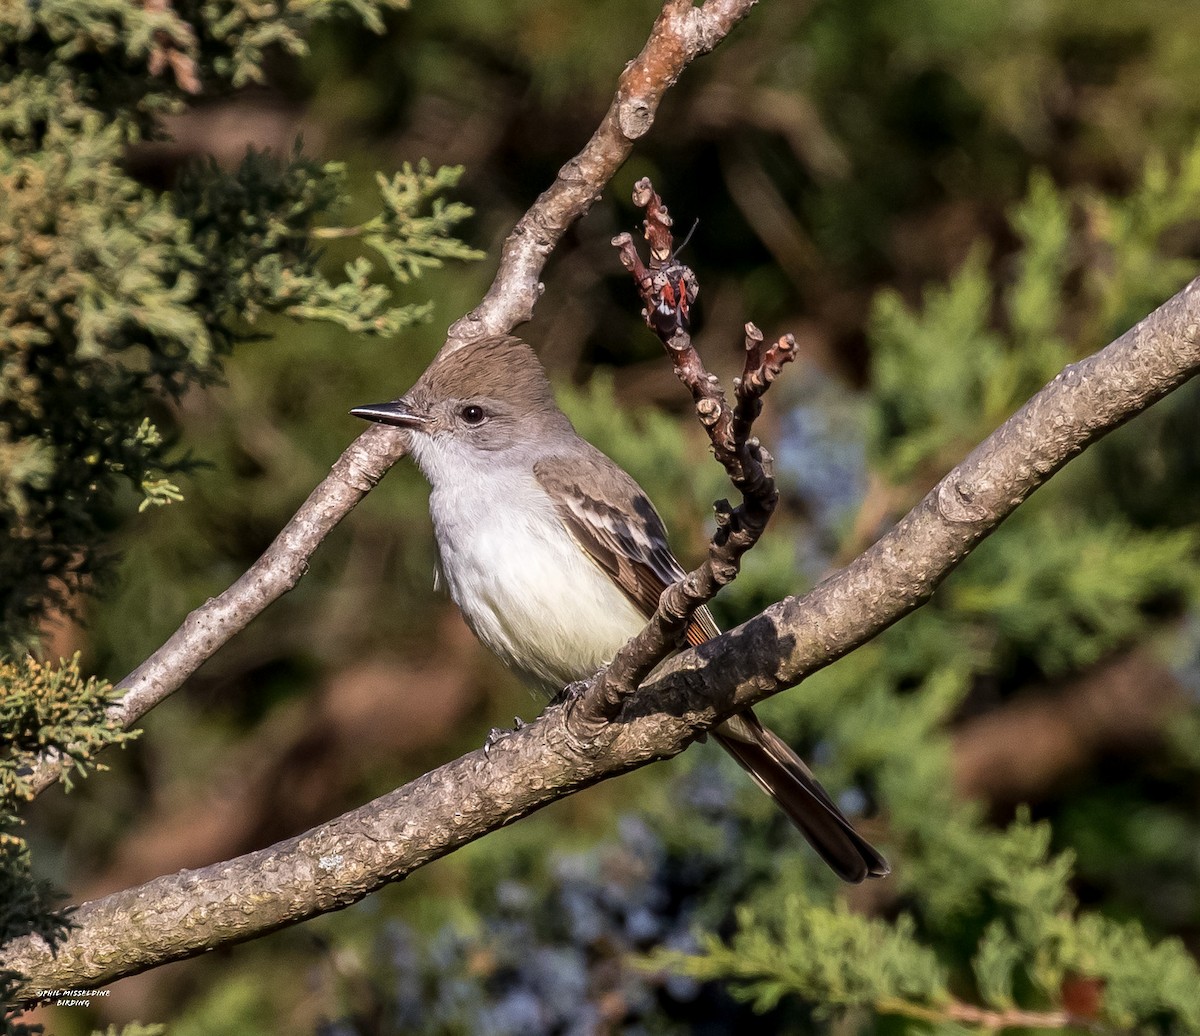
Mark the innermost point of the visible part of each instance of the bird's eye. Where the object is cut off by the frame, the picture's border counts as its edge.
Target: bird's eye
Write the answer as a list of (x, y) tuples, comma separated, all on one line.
[(473, 414)]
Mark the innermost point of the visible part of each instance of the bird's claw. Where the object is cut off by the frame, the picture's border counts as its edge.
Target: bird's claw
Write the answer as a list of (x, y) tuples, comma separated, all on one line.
[(570, 693), (498, 734)]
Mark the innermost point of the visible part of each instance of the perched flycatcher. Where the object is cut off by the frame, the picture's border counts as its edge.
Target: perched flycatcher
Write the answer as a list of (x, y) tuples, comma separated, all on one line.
[(556, 557)]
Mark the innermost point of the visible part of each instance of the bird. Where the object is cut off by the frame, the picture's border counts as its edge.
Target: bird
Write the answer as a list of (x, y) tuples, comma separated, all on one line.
[(556, 557)]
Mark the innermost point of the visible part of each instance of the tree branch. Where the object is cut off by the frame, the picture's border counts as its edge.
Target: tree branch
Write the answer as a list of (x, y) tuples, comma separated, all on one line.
[(339, 863), (681, 33)]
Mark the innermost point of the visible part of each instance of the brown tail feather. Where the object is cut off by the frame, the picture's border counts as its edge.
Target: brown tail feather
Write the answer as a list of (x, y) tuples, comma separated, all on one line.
[(782, 775)]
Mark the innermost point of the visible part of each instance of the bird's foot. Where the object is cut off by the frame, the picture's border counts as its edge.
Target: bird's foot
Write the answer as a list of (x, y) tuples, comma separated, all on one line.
[(498, 734), (569, 694)]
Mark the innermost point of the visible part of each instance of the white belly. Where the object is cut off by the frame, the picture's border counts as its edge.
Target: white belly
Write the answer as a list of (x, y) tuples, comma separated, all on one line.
[(524, 587)]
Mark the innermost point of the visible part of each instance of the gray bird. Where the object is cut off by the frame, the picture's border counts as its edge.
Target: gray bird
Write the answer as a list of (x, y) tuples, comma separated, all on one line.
[(556, 557)]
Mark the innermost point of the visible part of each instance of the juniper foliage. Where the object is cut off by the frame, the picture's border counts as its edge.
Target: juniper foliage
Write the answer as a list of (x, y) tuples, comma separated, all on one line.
[(43, 708), (117, 296), (114, 296), (989, 933)]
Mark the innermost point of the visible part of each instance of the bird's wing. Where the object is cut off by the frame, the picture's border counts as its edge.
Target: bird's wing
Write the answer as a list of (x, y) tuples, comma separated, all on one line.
[(625, 537), (621, 533)]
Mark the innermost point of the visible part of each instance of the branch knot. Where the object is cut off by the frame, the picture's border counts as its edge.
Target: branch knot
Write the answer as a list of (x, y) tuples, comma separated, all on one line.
[(634, 118), (956, 502)]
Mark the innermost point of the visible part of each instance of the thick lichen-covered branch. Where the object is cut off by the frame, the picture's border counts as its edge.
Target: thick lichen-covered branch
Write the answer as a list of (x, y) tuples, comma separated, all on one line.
[(338, 863)]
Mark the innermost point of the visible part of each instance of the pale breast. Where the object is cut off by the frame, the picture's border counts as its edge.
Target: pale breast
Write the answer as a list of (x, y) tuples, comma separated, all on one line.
[(528, 592)]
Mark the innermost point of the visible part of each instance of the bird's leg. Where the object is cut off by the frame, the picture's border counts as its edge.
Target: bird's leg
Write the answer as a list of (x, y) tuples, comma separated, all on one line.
[(566, 697), (569, 693)]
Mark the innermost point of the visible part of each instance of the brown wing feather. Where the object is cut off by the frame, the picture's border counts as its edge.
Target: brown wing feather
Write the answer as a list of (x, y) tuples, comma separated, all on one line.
[(621, 533), (702, 628), (624, 535)]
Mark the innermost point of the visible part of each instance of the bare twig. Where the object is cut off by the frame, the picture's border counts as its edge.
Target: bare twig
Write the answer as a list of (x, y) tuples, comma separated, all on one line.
[(1081, 999), (970, 1014), (681, 33), (339, 863), (668, 288)]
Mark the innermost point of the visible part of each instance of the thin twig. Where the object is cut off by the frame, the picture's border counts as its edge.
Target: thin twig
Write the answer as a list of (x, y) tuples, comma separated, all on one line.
[(668, 288), (681, 34), (984, 1018)]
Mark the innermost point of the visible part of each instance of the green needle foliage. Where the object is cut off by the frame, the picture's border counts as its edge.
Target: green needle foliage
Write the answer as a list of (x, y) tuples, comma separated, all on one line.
[(113, 295), (834, 958), (42, 709), (116, 296), (989, 933)]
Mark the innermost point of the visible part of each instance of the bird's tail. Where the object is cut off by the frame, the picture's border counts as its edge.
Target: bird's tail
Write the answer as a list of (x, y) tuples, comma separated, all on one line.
[(782, 774)]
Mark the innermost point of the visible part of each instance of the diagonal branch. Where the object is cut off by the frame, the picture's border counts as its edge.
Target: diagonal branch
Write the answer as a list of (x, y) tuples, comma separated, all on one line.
[(681, 33), (338, 863)]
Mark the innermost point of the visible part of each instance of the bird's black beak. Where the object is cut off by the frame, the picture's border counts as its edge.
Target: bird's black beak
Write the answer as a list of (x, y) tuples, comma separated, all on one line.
[(397, 413)]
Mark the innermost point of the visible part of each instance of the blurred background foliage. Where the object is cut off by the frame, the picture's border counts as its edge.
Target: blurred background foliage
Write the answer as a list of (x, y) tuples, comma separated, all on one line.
[(945, 203)]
